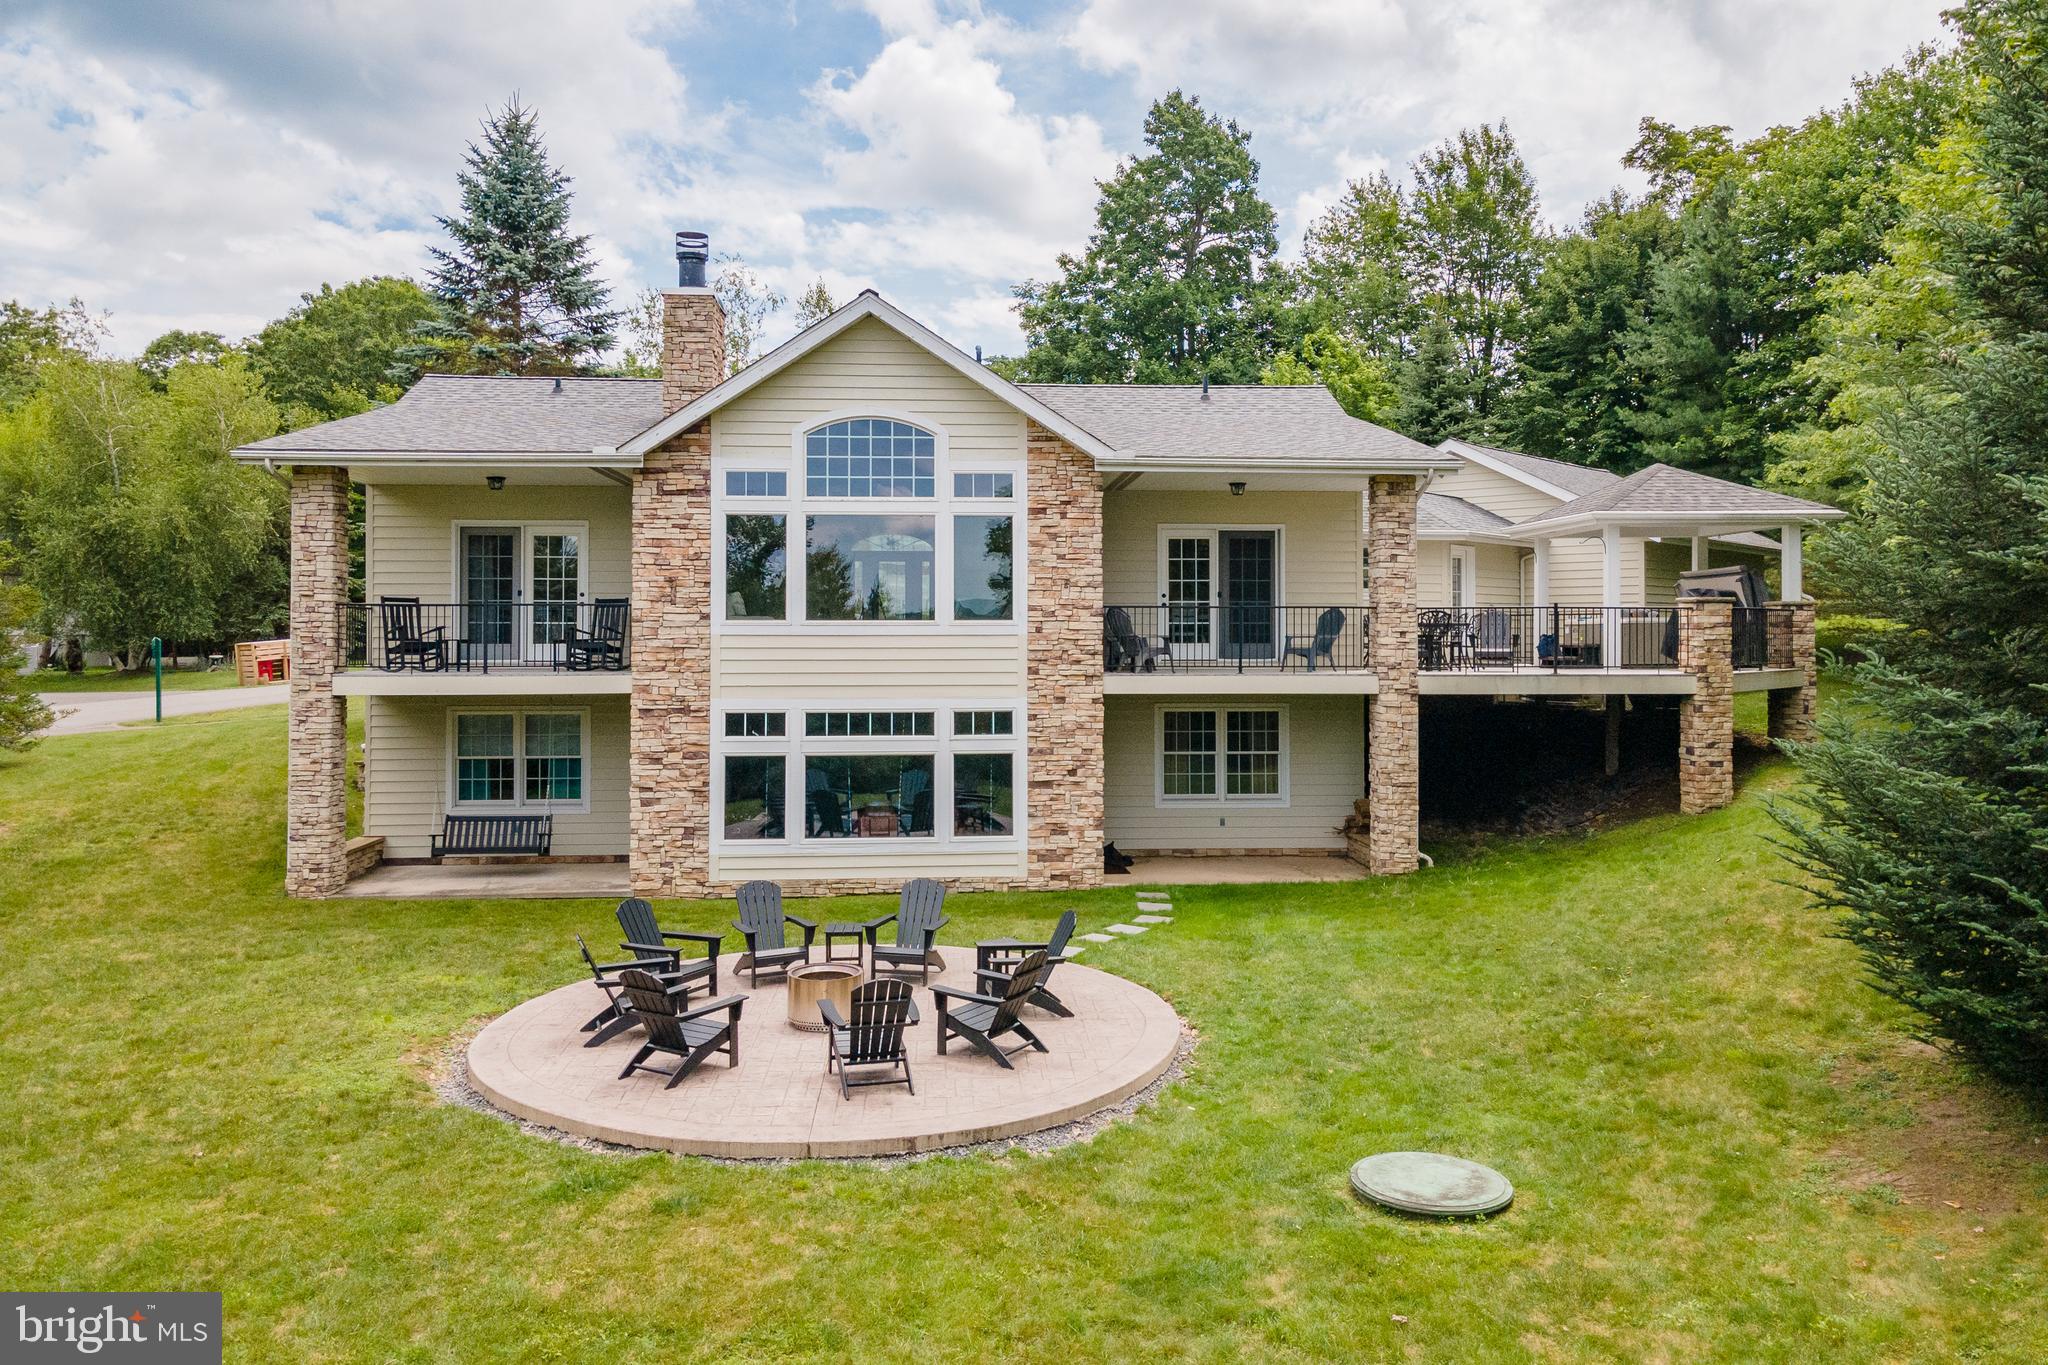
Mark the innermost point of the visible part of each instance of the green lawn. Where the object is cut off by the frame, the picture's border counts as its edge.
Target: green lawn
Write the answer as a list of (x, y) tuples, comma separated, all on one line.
[(1724, 1147), (111, 680)]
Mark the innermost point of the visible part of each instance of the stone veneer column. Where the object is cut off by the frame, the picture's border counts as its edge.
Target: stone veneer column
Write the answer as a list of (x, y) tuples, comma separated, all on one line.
[(316, 745), (669, 769), (1706, 719), (1392, 723), (1791, 708), (1063, 663), (692, 346)]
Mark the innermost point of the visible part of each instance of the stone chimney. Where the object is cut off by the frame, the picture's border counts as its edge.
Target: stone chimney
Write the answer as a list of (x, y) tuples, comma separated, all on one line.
[(692, 327)]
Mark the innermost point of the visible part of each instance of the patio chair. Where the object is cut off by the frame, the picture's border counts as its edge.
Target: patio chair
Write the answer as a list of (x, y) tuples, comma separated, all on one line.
[(1494, 642), (871, 1034), (1322, 644), (611, 1021), (914, 803), (648, 939), (919, 917), (688, 1035), (985, 1019), (408, 644), (997, 958), (604, 644), (761, 920), (828, 813), (1126, 650)]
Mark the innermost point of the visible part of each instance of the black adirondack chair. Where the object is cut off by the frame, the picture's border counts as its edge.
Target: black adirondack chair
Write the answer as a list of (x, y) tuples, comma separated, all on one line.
[(997, 958), (648, 939), (1494, 640), (870, 1035), (1321, 645), (761, 920), (688, 1035), (611, 1021), (920, 914), (407, 643), (983, 1020), (604, 644), (1128, 651)]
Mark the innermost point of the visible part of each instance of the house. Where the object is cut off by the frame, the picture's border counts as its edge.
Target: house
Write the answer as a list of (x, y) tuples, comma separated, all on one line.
[(866, 610)]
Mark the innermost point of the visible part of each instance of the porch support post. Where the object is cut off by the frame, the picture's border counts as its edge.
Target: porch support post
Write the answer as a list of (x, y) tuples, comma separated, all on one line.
[(1610, 595), (1699, 552), (1706, 719), (1611, 757), (1790, 709), (1393, 802), (316, 743), (1063, 664), (1541, 588), (1790, 567)]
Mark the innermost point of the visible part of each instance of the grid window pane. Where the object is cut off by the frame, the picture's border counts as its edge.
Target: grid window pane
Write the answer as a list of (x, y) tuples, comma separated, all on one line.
[(756, 724), (858, 723), (870, 457), (981, 568), (554, 758), (983, 723), (984, 486), (869, 568), (1253, 759), (756, 560), (868, 796), (757, 483), (484, 758), (754, 796), (984, 797), (1188, 754)]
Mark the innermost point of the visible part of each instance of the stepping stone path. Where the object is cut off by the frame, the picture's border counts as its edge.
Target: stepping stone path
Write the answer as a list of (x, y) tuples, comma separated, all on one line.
[(1150, 903), (1127, 928), (1100, 938), (1153, 919)]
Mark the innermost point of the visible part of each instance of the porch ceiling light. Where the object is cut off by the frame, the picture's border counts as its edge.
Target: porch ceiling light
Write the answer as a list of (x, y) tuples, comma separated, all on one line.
[(495, 482), (1236, 490)]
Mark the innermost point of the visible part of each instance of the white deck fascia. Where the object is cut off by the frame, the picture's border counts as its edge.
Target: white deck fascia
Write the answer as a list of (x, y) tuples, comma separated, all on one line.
[(538, 682), (1262, 682)]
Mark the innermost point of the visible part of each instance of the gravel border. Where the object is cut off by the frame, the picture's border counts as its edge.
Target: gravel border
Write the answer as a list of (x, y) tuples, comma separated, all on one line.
[(450, 1080)]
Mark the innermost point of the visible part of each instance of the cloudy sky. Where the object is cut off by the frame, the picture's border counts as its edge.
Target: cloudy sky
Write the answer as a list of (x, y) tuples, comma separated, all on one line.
[(200, 164)]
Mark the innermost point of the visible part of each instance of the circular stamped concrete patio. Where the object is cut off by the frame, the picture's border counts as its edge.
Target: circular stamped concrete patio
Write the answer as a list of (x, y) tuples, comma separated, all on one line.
[(532, 1062)]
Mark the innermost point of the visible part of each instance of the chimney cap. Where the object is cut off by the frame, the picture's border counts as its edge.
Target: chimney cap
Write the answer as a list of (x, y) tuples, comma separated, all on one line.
[(693, 249)]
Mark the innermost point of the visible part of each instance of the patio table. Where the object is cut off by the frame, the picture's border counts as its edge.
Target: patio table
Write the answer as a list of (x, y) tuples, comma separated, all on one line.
[(840, 929)]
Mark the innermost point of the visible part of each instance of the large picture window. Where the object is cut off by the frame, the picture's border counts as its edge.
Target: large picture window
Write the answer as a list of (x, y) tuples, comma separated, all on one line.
[(869, 568), (514, 758), (754, 796), (755, 567), (981, 569), (984, 796), (869, 796), (1223, 754), (870, 457)]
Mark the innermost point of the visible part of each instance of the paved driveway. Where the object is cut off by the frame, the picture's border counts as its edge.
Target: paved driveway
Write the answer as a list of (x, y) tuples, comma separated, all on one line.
[(80, 713)]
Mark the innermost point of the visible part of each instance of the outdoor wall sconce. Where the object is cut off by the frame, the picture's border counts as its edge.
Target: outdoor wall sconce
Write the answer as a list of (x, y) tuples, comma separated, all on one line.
[(1236, 490), (495, 482)]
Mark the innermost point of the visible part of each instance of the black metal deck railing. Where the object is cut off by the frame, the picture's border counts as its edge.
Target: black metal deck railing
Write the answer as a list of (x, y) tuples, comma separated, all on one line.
[(1241, 639), (1463, 639), (403, 635)]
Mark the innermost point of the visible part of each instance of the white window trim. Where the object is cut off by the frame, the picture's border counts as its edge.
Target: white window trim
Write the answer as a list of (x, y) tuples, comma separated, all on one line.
[(1221, 798), (942, 745), (739, 466), (942, 507), (523, 567), (1467, 557), (1170, 531), (455, 806)]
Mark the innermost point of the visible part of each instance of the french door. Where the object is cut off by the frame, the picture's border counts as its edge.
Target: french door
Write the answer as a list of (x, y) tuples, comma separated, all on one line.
[(1220, 590), (521, 587)]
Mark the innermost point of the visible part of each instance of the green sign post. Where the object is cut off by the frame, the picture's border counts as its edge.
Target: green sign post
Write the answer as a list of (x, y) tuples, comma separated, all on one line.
[(156, 658)]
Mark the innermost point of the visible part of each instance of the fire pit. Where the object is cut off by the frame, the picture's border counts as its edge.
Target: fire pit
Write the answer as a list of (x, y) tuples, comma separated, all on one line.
[(834, 981)]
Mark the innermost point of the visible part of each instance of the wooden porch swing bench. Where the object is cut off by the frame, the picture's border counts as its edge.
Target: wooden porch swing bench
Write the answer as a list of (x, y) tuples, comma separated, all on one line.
[(477, 836)]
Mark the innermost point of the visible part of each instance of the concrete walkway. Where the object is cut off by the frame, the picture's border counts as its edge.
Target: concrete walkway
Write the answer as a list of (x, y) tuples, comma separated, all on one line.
[(491, 881), (80, 713), (1242, 870)]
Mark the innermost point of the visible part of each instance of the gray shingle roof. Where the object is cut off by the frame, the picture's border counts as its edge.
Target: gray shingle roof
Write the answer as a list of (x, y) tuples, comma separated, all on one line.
[(1442, 514), (1240, 421), (1575, 479), (1662, 490), (475, 414)]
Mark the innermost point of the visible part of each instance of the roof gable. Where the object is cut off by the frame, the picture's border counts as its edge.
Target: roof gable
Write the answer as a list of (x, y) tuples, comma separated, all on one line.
[(1559, 478), (1662, 491)]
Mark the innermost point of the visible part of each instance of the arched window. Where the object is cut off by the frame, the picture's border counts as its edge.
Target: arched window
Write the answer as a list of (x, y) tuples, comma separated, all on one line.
[(870, 457)]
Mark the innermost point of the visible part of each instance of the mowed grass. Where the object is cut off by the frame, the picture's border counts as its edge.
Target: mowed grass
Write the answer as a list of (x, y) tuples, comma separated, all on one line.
[(133, 680), (1723, 1147)]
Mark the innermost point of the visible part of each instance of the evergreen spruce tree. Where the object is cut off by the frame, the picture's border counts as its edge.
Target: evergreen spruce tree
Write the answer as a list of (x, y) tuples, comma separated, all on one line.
[(1435, 390), (518, 293), (1928, 830)]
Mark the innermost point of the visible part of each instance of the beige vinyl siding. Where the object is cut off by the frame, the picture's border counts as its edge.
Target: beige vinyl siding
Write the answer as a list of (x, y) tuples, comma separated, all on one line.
[(1496, 568), (1497, 493), (1321, 541), (406, 791), (867, 368), (1326, 758), (1666, 560), (409, 533), (1576, 573)]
